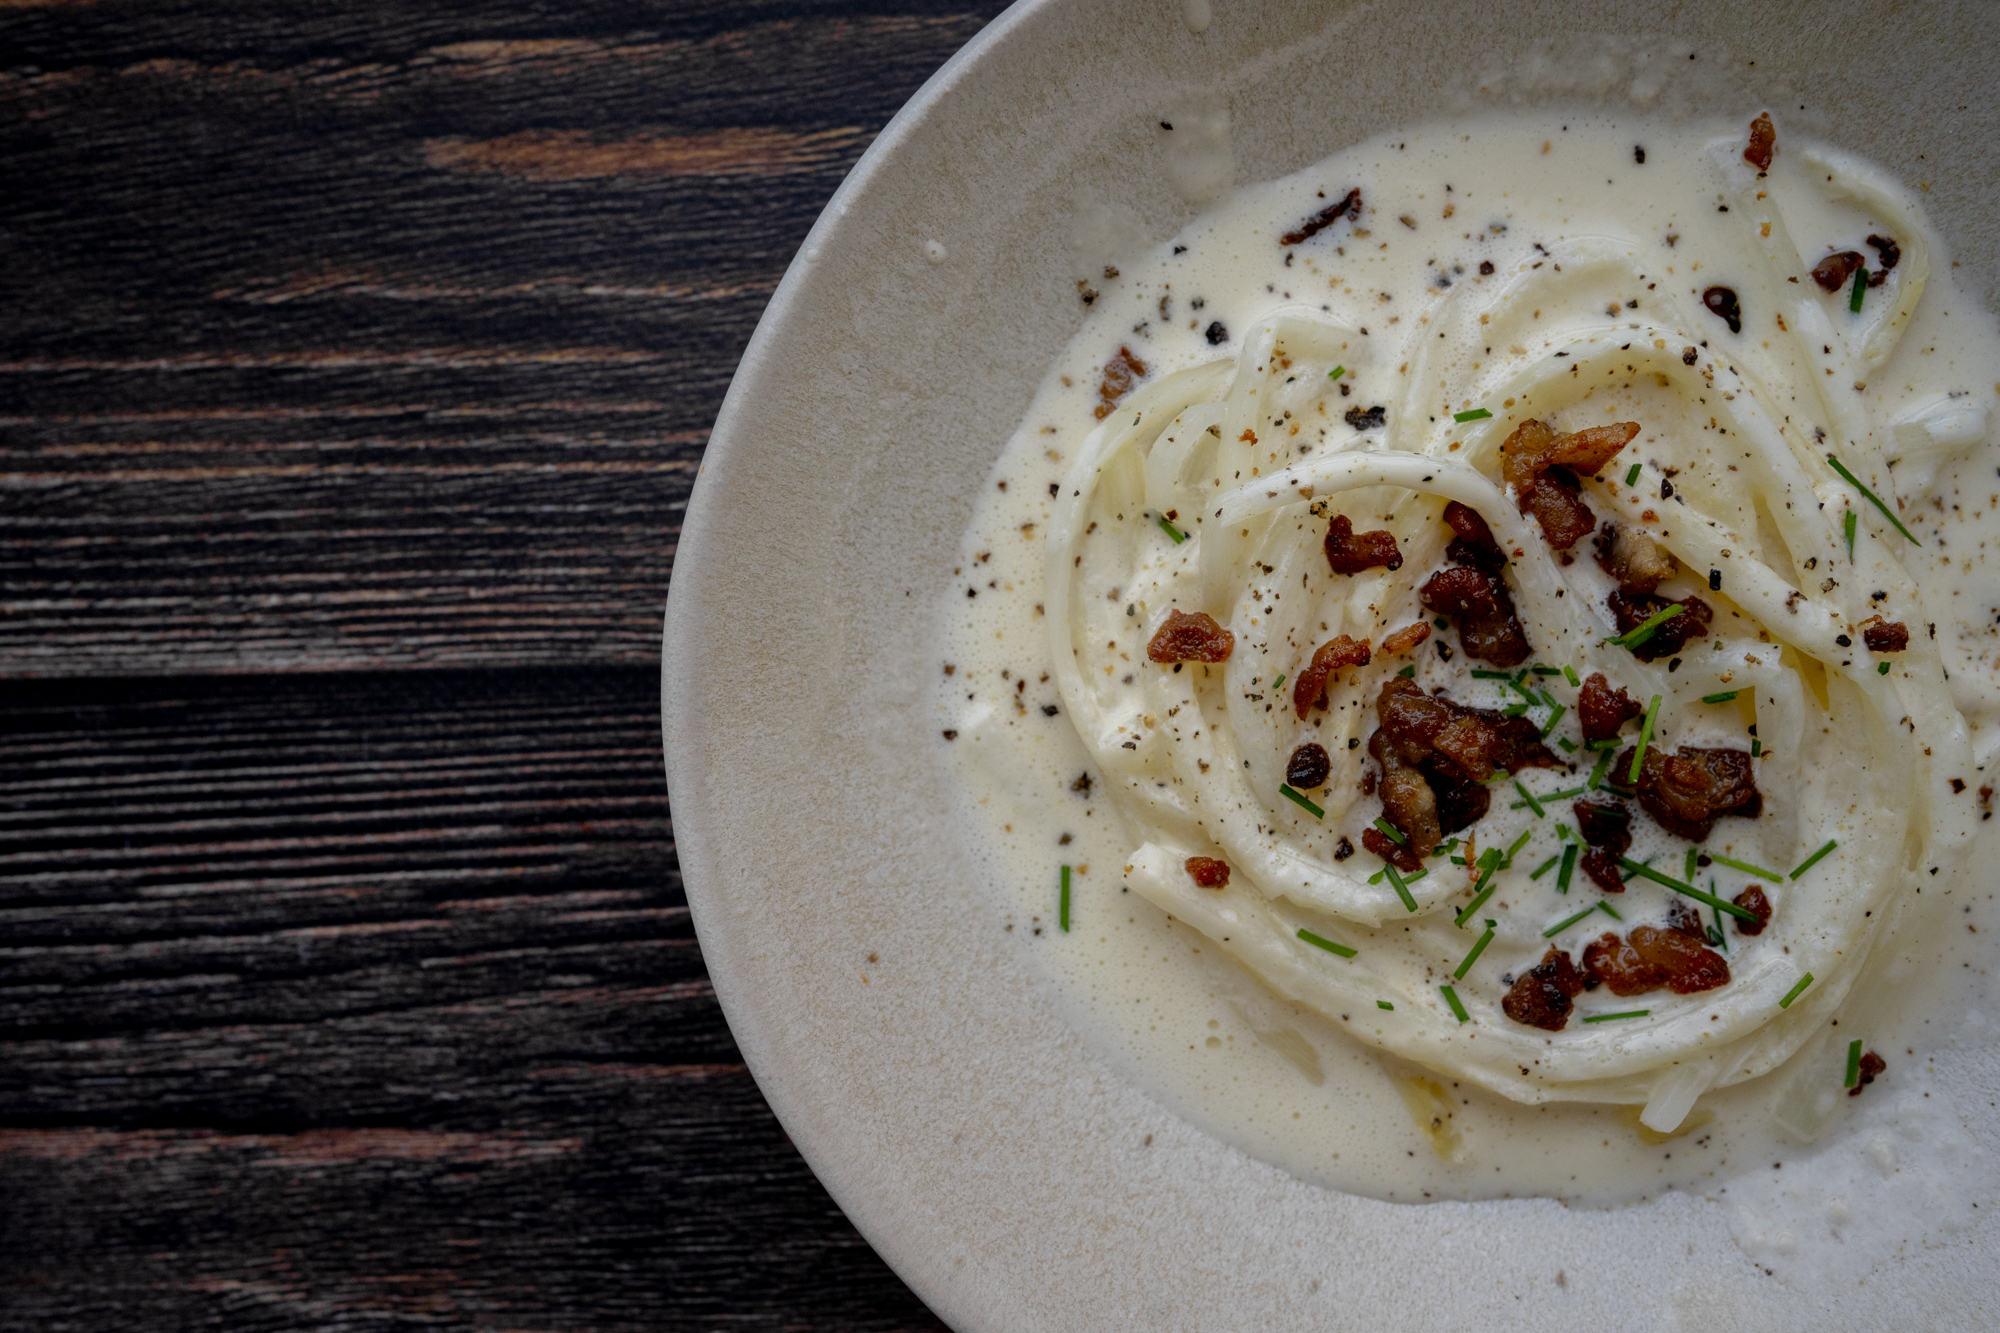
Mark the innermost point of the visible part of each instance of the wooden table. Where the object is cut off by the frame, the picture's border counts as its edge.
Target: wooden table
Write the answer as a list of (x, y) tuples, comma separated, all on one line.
[(355, 363)]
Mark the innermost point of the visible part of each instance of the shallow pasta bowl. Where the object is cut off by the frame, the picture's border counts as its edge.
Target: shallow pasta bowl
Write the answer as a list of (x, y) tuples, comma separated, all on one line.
[(1006, 1171)]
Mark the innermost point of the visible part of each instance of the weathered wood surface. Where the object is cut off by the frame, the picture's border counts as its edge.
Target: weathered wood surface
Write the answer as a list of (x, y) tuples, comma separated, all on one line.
[(354, 367)]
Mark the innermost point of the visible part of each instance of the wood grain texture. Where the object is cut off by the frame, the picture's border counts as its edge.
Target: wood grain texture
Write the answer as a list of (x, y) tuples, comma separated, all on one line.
[(356, 368)]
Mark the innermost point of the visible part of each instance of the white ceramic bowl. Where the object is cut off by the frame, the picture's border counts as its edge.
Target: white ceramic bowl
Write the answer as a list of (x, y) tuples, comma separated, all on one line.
[(1008, 1173)]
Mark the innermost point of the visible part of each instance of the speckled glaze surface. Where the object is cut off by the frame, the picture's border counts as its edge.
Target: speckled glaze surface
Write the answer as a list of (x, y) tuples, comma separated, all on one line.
[(1005, 1170)]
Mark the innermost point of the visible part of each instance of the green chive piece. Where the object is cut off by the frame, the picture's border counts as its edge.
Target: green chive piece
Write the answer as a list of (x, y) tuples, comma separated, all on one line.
[(1408, 673), (1507, 861), (1477, 949), (1296, 799), (1756, 747), (1280, 680), (1545, 867), (1873, 499), (1515, 710), (1643, 631), (1608, 743), (1481, 673), (1554, 718), (1062, 905), (1529, 797), (1721, 698), (1541, 670), (1647, 872), (1853, 1063), (1860, 287), (1391, 832), (1848, 523), (1645, 738), (1612, 1018), (1489, 862), (1721, 937), (1569, 674), (1320, 941), (1815, 858), (1384, 1004), (1604, 905), (1881, 668), (1568, 868), (1568, 921), (1632, 476), (1568, 745), (1457, 1009), (1476, 414), (1522, 690), (1795, 991), (1336, 372), (1172, 531), (1402, 888), (1745, 867), (1688, 873)]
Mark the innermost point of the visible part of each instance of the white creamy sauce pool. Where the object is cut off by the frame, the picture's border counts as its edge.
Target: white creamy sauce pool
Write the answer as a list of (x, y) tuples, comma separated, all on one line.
[(1797, 1168)]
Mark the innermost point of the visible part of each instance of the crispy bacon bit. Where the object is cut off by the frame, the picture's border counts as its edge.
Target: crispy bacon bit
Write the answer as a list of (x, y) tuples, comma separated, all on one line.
[(1401, 855), (1208, 872), (1890, 253), (1886, 636), (1722, 303), (1435, 756), (1763, 141), (1687, 791), (1308, 767), (1366, 418), (1191, 638), (1603, 710), (1405, 638), (1654, 957), (1487, 626), (1474, 544), (1835, 271), (1628, 555), (1541, 466), (1753, 901), (1682, 916), (1871, 1065), (1309, 691), (1631, 610), (1325, 218), (1607, 827), (1545, 993), (1120, 373), (1349, 553)]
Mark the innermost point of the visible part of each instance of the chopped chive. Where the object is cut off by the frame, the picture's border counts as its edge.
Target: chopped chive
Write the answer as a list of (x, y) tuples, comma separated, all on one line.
[(1280, 680), (1853, 1063), (1568, 868), (1545, 867), (1569, 674), (1873, 499), (1481, 673), (1477, 949), (1608, 743), (1604, 906), (1795, 991), (1062, 904), (1721, 698), (1489, 861), (1718, 936), (1647, 872), (1379, 876), (1568, 921), (1549, 797), (1848, 523), (1515, 710), (1554, 718), (1507, 861), (1609, 1018), (1745, 867), (1529, 797), (1881, 668), (1645, 739), (1402, 888), (1597, 773), (1568, 745), (1451, 998), (1391, 832), (1860, 288), (1548, 700), (1336, 372), (1541, 670), (1688, 873), (1296, 799), (1408, 672), (1384, 1004), (1476, 414), (1440, 623), (1815, 858), (1322, 942), (1445, 846), (1756, 747), (1172, 531), (1643, 631), (1632, 475), (1522, 690)]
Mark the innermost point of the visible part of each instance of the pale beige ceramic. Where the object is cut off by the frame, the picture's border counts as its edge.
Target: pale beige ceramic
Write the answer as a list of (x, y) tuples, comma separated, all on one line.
[(1006, 1171)]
